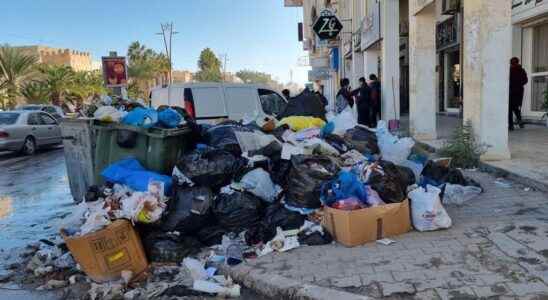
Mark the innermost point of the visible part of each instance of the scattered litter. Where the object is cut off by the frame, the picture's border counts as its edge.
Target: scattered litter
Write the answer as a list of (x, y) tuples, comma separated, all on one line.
[(386, 242), (501, 182)]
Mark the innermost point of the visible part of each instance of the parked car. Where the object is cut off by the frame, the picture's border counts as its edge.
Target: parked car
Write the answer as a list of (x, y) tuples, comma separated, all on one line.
[(28, 130), (55, 111), (211, 101)]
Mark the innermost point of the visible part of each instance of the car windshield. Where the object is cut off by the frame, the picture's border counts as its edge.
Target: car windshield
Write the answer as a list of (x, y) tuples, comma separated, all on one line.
[(8, 118)]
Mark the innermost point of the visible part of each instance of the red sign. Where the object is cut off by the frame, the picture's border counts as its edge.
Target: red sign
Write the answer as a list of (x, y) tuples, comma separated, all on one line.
[(115, 71)]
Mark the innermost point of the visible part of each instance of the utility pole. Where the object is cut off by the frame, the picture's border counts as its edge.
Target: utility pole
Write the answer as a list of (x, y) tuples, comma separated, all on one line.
[(167, 34), (225, 59)]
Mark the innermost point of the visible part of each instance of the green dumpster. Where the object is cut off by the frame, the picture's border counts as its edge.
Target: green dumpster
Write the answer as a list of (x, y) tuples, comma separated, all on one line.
[(156, 149)]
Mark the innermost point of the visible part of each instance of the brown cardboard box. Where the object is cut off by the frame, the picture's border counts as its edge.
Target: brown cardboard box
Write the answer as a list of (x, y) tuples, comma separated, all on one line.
[(357, 227), (104, 254)]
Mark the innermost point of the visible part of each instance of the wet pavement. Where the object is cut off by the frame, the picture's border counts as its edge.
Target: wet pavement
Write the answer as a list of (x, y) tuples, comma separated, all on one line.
[(34, 197)]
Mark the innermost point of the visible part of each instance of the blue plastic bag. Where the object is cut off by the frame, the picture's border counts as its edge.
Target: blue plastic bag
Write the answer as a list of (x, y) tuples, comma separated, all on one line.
[(346, 185), (141, 117), (131, 173), (169, 118)]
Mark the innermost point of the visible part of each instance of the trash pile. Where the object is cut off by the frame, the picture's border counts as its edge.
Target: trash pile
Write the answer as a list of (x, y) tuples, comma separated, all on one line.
[(246, 190)]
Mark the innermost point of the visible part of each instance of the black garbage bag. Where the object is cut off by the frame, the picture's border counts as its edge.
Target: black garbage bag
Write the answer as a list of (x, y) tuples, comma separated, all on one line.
[(224, 137), (338, 143), (192, 223), (407, 176), (306, 176), (163, 247), (185, 202), (126, 138), (306, 104), (94, 193), (315, 238), (271, 150), (280, 172), (262, 233), (392, 185), (211, 236), (212, 167), (276, 215), (362, 140), (441, 174), (237, 211)]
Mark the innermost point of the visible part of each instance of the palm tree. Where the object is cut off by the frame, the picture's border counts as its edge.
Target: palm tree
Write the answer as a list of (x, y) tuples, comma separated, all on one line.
[(59, 80), (15, 68), (85, 85), (36, 92)]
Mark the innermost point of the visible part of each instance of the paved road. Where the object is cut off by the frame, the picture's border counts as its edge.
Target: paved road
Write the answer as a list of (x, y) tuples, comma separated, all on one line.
[(34, 196)]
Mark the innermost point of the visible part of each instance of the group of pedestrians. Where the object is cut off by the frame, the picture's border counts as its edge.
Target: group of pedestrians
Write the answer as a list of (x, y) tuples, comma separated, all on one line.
[(367, 98)]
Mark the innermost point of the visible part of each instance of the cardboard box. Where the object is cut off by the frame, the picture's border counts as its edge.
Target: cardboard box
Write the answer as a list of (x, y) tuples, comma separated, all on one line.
[(104, 254), (357, 227)]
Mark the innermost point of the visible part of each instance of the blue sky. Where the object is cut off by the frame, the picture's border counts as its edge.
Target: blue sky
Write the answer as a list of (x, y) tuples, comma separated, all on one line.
[(256, 34)]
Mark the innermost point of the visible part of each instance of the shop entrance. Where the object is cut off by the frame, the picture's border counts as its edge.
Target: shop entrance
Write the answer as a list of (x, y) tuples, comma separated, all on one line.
[(452, 81)]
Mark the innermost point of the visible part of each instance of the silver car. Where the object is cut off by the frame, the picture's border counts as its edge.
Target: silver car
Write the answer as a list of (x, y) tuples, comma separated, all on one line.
[(26, 131)]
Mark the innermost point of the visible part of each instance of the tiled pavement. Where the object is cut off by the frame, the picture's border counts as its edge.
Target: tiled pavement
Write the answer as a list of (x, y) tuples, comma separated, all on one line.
[(496, 249)]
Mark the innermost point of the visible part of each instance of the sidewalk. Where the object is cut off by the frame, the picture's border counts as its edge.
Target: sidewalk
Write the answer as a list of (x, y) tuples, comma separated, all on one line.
[(496, 247)]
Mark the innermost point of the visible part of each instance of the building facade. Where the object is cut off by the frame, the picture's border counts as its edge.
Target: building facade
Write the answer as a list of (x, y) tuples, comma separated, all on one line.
[(78, 60), (436, 56), (530, 44)]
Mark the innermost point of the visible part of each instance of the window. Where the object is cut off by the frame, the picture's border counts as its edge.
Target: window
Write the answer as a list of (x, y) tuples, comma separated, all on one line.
[(539, 76), (8, 118), (272, 103), (49, 110), (34, 119), (47, 120)]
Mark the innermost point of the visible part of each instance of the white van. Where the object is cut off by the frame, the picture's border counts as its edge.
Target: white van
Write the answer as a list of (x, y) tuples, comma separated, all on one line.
[(210, 101)]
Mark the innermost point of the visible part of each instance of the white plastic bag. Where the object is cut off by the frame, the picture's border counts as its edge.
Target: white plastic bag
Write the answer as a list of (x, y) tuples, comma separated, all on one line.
[(196, 268), (108, 114), (250, 141), (392, 148), (259, 183), (457, 194), (427, 211), (415, 167), (344, 121)]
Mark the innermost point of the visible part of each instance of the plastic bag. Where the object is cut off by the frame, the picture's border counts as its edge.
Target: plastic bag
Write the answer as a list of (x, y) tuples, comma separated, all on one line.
[(141, 117), (427, 211), (455, 194), (212, 168), (169, 118), (392, 148), (373, 198), (346, 185), (108, 114), (387, 180), (338, 143), (415, 167), (253, 141), (344, 121), (187, 201), (142, 207), (131, 173), (298, 123), (224, 137), (258, 183), (168, 248), (362, 139), (237, 211), (277, 215), (307, 174), (348, 204)]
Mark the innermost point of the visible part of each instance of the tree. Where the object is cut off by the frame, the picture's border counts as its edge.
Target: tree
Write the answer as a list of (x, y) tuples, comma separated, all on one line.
[(85, 85), (145, 68), (249, 76), (209, 67), (35, 92), (15, 68), (58, 80)]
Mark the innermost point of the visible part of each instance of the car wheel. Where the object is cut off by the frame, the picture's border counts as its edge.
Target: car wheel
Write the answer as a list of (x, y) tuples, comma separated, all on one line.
[(29, 147)]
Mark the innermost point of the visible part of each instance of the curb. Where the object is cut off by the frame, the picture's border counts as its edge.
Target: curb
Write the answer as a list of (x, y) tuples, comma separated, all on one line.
[(499, 172), (279, 287)]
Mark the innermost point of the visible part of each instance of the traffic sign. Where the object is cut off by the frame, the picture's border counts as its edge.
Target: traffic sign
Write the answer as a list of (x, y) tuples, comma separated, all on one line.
[(327, 26)]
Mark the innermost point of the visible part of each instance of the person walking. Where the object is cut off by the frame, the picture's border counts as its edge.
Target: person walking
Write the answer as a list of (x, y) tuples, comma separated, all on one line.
[(518, 79), (375, 88), (344, 98), (364, 103)]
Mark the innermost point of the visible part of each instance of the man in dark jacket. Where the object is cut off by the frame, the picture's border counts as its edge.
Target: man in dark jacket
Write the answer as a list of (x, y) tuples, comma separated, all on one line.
[(343, 98), (363, 94), (518, 78), (375, 86)]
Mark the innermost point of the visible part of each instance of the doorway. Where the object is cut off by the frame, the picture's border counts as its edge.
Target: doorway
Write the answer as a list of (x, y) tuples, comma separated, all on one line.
[(453, 81)]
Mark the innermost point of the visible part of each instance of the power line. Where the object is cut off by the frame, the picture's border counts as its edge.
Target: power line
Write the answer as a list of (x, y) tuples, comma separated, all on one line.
[(167, 34)]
